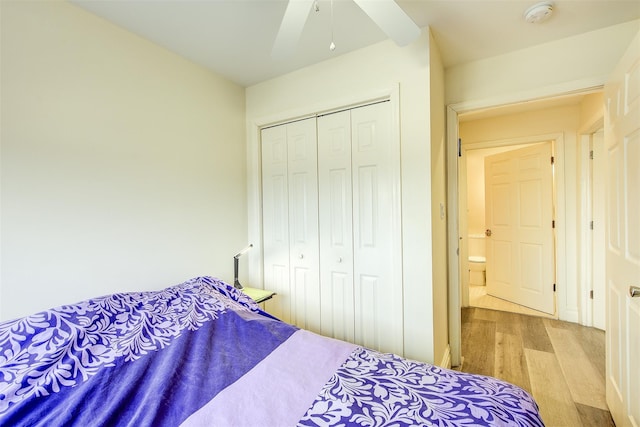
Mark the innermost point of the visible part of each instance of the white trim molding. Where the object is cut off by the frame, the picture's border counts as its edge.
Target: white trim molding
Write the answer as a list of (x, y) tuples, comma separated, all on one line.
[(446, 358)]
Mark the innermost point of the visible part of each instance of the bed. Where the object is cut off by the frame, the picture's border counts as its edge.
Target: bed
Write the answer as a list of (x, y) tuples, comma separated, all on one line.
[(202, 353)]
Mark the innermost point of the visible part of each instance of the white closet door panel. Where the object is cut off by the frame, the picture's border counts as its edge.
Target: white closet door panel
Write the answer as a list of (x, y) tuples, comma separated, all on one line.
[(301, 220), (368, 206), (335, 220), (369, 322), (304, 297), (337, 306), (303, 223), (275, 213), (376, 228)]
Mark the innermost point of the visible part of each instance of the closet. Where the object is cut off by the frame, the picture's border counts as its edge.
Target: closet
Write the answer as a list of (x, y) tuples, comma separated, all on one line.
[(331, 225)]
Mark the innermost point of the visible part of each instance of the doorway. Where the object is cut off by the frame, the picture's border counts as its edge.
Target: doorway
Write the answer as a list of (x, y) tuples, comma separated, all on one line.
[(538, 119), (521, 225)]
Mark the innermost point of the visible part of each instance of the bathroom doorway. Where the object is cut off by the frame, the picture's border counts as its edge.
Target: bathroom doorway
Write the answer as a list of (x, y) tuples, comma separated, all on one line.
[(473, 226)]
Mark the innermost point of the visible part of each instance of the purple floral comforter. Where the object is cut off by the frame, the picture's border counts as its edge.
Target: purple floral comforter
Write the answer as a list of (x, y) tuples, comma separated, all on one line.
[(203, 354)]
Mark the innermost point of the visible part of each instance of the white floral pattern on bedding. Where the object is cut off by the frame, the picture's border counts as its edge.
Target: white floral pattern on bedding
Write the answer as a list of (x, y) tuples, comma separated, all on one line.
[(105, 361), (375, 389), (90, 335)]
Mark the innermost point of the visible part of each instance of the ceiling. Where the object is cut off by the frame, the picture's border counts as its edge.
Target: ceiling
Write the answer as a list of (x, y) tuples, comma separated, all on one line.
[(234, 37)]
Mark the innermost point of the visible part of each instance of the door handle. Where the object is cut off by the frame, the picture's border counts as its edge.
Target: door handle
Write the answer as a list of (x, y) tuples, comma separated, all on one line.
[(634, 291), (488, 232)]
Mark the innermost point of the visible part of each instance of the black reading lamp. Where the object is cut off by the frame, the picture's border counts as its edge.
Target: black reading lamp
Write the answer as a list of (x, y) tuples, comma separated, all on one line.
[(236, 282)]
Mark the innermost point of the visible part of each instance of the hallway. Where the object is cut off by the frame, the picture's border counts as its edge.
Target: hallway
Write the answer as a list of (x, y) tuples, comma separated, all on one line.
[(561, 364)]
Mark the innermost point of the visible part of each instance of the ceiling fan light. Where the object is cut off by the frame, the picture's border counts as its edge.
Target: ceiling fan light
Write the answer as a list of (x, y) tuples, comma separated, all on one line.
[(538, 13)]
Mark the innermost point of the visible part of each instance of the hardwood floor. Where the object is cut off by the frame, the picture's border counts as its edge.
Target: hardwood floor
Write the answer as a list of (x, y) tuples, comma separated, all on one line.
[(478, 298), (561, 364)]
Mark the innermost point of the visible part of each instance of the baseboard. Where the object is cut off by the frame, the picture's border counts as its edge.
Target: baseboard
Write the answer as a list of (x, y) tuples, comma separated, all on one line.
[(446, 358)]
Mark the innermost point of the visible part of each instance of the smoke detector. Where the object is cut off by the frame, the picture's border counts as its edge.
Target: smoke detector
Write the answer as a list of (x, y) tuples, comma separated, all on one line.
[(539, 12)]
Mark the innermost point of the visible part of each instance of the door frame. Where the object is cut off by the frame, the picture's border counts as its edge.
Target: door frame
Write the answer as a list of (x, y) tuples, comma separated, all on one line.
[(591, 194), (453, 233), (556, 139)]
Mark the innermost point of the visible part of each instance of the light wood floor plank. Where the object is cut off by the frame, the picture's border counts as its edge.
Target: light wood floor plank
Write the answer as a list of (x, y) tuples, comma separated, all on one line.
[(509, 323), (534, 334), (467, 314), (528, 352), (585, 382), (489, 315), (510, 362), (478, 348), (550, 390), (594, 417), (591, 340)]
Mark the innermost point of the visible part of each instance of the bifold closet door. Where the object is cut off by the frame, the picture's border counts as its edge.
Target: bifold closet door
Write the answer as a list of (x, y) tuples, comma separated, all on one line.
[(290, 222), (336, 231), (360, 246), (377, 244)]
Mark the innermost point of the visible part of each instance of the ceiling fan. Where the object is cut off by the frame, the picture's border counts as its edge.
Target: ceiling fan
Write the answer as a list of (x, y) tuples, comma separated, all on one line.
[(391, 19)]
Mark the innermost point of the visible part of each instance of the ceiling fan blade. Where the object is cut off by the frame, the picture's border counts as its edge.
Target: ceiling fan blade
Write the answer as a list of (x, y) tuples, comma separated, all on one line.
[(391, 19), (291, 28)]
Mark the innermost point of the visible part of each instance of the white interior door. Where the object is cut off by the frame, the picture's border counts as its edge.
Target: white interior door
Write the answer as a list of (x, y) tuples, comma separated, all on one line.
[(377, 276), (335, 221), (622, 239), (303, 224), (519, 212), (290, 222), (275, 220)]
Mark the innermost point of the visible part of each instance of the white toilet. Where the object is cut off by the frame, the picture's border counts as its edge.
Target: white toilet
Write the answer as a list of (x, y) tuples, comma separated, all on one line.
[(477, 260)]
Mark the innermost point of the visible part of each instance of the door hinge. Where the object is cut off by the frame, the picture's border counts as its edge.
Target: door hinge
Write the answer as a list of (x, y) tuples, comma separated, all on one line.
[(553, 160), (553, 223), (591, 155), (591, 294), (554, 287), (591, 225), (459, 147)]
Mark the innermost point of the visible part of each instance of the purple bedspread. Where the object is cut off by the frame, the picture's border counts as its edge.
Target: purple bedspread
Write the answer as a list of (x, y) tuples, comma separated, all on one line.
[(203, 354)]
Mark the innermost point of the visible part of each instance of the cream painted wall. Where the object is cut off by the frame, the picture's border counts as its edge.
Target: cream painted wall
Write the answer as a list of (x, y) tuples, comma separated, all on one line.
[(438, 207), (123, 165), (352, 78), (475, 192), (592, 112), (573, 63)]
